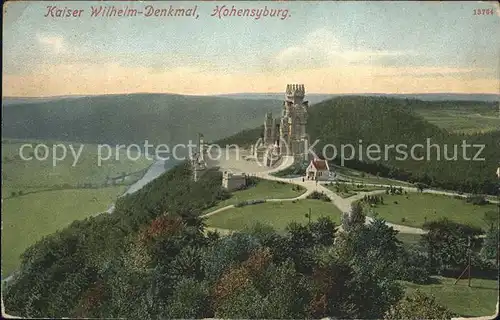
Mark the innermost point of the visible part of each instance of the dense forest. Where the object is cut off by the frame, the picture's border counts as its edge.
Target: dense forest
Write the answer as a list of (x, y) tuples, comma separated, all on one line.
[(153, 259), (133, 118), (389, 121)]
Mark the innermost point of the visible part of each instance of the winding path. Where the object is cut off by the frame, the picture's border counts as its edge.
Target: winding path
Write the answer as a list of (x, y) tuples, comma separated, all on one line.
[(344, 204)]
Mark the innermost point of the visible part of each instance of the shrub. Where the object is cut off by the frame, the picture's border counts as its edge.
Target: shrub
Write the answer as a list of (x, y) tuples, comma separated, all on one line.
[(252, 181), (249, 202), (318, 196), (418, 306), (415, 266), (256, 201), (240, 204), (477, 200)]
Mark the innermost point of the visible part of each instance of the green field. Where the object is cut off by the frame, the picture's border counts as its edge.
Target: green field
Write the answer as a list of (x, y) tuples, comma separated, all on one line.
[(466, 121), (34, 175), (276, 214), (264, 189), (28, 218), (416, 208), (478, 300), (40, 198), (354, 176)]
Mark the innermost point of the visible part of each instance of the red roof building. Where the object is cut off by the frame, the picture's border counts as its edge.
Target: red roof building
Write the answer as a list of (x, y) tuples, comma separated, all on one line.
[(318, 169)]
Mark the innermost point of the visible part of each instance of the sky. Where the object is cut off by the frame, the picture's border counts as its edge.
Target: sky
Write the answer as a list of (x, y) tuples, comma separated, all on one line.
[(330, 47)]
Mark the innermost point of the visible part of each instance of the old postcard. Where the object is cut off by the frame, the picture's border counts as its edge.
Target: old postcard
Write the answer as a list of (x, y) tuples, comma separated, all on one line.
[(250, 159)]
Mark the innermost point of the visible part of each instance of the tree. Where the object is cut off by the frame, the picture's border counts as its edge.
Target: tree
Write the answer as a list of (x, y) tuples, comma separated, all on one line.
[(236, 287), (323, 231), (213, 236), (447, 244), (490, 244), (418, 306), (187, 264), (373, 252), (330, 285), (91, 302), (259, 288), (190, 300), (420, 186), (229, 250), (246, 303), (300, 236), (415, 266), (287, 295), (355, 218), (299, 240), (130, 292), (491, 218)]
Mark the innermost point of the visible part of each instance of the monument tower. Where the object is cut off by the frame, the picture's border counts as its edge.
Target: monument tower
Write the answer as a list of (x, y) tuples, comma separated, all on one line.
[(290, 128), (294, 119), (197, 159)]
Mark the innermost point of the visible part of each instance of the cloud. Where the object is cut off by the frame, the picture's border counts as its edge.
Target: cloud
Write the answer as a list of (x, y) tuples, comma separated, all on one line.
[(441, 72), (320, 61), (51, 43), (322, 48)]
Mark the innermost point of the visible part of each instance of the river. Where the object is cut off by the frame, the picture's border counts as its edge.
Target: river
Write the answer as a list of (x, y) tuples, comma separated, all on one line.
[(153, 172)]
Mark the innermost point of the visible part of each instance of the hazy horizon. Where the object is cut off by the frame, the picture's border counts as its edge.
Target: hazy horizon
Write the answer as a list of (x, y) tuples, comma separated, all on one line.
[(249, 93), (340, 47)]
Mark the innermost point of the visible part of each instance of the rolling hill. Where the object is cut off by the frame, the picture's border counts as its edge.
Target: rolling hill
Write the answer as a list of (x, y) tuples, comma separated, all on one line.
[(390, 121), (314, 98), (133, 118), (171, 119)]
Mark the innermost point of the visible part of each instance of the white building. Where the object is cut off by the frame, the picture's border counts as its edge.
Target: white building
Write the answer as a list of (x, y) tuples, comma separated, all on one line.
[(318, 170), (232, 181)]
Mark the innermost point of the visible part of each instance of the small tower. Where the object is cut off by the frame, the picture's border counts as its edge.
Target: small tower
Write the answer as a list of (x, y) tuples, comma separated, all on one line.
[(197, 159), (269, 127), (201, 149)]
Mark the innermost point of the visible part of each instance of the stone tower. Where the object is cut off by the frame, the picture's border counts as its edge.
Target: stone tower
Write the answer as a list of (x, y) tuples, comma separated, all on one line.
[(269, 129), (294, 119), (290, 129), (197, 159)]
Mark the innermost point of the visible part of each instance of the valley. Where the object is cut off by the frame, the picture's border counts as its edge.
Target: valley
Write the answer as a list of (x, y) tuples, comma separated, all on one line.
[(64, 197), (338, 161)]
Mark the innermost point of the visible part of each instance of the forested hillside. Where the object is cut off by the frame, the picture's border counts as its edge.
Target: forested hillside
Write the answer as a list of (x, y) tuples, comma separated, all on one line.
[(133, 118), (481, 107), (151, 259), (389, 121)]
